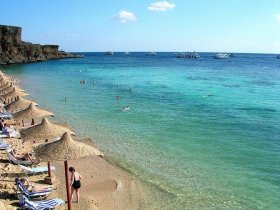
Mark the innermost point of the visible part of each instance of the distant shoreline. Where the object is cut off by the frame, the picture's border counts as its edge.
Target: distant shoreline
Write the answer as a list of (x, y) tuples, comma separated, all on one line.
[(206, 52)]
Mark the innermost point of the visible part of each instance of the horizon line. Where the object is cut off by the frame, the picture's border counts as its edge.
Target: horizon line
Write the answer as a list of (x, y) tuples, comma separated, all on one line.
[(175, 52)]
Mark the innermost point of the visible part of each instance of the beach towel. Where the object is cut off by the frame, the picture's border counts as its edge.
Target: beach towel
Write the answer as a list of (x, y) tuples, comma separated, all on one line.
[(3, 144)]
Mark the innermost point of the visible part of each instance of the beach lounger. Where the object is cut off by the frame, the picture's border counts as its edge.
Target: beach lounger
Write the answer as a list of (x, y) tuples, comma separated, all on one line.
[(25, 203), (4, 145), (13, 134), (6, 115), (29, 194), (12, 159), (36, 170)]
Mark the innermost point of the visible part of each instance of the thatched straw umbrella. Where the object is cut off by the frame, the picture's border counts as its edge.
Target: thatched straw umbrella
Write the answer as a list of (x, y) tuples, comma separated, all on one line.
[(65, 148), (4, 79), (1, 73), (6, 87), (14, 93), (32, 112), (10, 88), (19, 104), (43, 131), (3, 76), (4, 84)]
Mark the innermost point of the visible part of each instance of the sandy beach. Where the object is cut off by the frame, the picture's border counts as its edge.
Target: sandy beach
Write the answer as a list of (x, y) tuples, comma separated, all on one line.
[(104, 186)]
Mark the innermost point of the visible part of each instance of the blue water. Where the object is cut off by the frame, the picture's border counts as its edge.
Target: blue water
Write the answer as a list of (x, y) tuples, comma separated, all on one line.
[(200, 134)]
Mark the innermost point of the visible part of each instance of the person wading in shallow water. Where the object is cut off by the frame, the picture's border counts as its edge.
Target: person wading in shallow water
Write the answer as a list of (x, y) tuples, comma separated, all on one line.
[(75, 183)]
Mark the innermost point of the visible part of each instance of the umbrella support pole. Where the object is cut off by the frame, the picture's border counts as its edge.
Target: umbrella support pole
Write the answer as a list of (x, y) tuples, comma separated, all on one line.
[(49, 179), (49, 169), (69, 203)]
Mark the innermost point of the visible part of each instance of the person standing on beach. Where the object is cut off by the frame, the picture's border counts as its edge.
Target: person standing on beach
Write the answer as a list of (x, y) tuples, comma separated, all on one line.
[(75, 183)]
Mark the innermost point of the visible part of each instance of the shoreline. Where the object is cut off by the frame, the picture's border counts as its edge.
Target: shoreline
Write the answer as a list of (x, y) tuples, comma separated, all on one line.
[(108, 187)]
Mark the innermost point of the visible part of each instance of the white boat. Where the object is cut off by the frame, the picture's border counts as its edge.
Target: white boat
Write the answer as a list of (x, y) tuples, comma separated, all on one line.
[(221, 56), (151, 53), (109, 53), (192, 55), (232, 54), (127, 53)]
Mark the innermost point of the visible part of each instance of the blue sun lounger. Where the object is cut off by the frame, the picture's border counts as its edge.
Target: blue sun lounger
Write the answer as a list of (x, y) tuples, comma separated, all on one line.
[(12, 159), (29, 194), (35, 170), (25, 203), (6, 115), (3, 145)]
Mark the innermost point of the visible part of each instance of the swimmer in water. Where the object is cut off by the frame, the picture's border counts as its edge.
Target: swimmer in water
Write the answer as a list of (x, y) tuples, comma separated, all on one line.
[(118, 97), (125, 108), (209, 95)]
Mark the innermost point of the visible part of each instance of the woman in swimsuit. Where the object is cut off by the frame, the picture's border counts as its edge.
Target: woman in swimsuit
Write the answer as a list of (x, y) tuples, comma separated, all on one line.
[(75, 183)]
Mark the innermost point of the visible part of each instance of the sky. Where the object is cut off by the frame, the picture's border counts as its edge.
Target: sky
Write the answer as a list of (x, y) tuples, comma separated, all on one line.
[(148, 25)]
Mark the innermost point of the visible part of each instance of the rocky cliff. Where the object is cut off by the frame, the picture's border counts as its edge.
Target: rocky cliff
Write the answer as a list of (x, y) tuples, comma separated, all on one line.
[(14, 50)]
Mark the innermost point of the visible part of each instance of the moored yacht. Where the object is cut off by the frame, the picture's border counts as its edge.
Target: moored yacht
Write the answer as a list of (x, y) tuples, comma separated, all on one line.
[(151, 53), (221, 56), (232, 54), (109, 53), (192, 55)]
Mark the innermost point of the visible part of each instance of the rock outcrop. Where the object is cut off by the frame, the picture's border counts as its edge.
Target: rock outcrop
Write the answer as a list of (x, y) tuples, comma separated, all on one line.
[(14, 50)]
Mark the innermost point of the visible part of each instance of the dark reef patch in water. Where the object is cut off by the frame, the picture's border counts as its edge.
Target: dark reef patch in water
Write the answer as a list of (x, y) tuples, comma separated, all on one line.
[(231, 86), (197, 78), (257, 109), (263, 83)]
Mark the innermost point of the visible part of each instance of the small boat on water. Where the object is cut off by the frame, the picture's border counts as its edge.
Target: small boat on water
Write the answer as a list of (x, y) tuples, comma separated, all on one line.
[(192, 55), (127, 53), (109, 53), (151, 53), (232, 54), (221, 56)]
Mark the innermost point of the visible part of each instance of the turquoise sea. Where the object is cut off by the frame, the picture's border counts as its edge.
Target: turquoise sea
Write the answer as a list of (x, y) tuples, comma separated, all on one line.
[(201, 134)]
